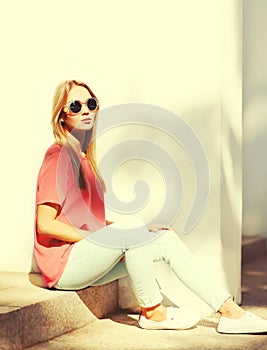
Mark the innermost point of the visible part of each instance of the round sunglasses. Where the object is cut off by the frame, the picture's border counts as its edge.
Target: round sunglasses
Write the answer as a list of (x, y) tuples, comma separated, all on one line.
[(76, 106)]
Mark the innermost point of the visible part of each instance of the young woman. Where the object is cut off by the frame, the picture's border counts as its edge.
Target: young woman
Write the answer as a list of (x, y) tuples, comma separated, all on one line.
[(70, 209)]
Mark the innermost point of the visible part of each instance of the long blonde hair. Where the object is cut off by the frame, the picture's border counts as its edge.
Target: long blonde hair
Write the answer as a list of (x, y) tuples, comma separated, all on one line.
[(64, 138)]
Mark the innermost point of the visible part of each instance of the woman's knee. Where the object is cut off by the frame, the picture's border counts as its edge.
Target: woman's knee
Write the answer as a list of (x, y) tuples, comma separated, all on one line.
[(170, 236)]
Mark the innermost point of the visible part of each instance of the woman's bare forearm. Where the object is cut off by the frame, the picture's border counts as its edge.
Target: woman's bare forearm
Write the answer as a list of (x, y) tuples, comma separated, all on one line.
[(62, 231), (47, 224)]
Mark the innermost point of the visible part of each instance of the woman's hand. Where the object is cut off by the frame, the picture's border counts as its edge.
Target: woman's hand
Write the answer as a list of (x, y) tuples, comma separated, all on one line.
[(109, 222), (157, 227)]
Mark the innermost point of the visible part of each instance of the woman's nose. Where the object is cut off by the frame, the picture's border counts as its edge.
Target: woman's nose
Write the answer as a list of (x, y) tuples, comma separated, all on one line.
[(85, 109)]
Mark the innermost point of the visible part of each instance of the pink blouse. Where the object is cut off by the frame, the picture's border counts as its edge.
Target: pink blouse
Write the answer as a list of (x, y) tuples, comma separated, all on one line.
[(82, 209)]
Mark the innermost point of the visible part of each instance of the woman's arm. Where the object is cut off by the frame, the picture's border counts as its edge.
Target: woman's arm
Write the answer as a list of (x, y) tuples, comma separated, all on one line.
[(47, 224)]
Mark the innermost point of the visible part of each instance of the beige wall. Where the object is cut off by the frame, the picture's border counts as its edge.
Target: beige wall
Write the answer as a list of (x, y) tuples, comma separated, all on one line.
[(138, 51), (254, 117)]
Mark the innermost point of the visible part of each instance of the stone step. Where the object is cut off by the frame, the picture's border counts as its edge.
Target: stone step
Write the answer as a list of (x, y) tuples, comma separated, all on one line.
[(253, 248), (30, 314), (121, 332)]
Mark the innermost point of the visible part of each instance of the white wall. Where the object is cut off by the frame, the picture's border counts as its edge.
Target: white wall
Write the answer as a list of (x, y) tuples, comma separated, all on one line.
[(218, 122), (139, 51), (254, 117)]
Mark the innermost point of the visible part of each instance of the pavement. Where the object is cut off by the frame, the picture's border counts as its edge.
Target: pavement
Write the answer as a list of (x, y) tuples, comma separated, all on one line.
[(121, 331)]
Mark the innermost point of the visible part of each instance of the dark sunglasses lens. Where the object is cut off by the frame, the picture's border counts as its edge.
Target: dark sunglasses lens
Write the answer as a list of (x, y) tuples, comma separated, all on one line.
[(75, 106), (91, 104)]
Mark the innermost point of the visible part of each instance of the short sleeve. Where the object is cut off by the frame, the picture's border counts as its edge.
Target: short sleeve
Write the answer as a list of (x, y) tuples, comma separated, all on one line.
[(52, 183)]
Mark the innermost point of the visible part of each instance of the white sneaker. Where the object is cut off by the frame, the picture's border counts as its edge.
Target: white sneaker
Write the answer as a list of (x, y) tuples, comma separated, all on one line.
[(177, 318), (249, 323)]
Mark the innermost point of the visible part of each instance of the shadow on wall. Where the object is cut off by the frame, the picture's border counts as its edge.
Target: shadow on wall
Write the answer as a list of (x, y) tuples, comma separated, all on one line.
[(254, 163), (231, 209), (254, 117), (228, 143)]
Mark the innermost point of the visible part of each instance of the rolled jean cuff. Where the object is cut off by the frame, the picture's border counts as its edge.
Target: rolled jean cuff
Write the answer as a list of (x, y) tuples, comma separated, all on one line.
[(149, 304)]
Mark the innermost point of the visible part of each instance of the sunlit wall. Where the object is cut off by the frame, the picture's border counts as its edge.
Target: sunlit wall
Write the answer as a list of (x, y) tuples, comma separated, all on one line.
[(169, 55)]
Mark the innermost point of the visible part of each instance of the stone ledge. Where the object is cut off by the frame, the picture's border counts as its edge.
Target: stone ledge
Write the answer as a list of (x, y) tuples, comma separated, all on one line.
[(30, 314)]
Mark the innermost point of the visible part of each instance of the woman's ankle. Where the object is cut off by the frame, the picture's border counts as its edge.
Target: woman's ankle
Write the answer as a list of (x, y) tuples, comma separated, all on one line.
[(231, 310), (156, 313)]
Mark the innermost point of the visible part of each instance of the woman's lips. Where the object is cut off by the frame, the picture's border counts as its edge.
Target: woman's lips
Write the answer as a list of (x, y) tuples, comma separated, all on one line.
[(86, 120)]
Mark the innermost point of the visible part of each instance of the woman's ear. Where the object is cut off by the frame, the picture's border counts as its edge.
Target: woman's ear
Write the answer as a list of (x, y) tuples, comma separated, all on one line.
[(61, 118)]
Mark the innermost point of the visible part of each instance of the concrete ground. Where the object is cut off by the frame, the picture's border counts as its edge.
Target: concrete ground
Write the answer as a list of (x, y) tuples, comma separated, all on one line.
[(121, 331)]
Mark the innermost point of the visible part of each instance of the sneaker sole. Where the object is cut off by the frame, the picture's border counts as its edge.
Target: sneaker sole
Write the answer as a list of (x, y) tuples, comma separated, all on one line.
[(242, 331)]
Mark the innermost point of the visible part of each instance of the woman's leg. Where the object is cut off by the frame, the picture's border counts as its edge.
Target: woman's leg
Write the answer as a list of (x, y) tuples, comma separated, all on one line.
[(169, 248), (92, 264), (118, 271), (89, 263)]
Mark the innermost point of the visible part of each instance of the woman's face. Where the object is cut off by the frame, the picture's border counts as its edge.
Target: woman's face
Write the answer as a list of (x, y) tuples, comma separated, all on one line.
[(84, 120)]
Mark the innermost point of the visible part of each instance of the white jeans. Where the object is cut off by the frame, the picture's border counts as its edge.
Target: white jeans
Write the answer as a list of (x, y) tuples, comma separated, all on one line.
[(91, 264)]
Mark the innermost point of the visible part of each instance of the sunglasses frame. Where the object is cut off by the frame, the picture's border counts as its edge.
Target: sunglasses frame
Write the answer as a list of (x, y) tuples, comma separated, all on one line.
[(81, 103)]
